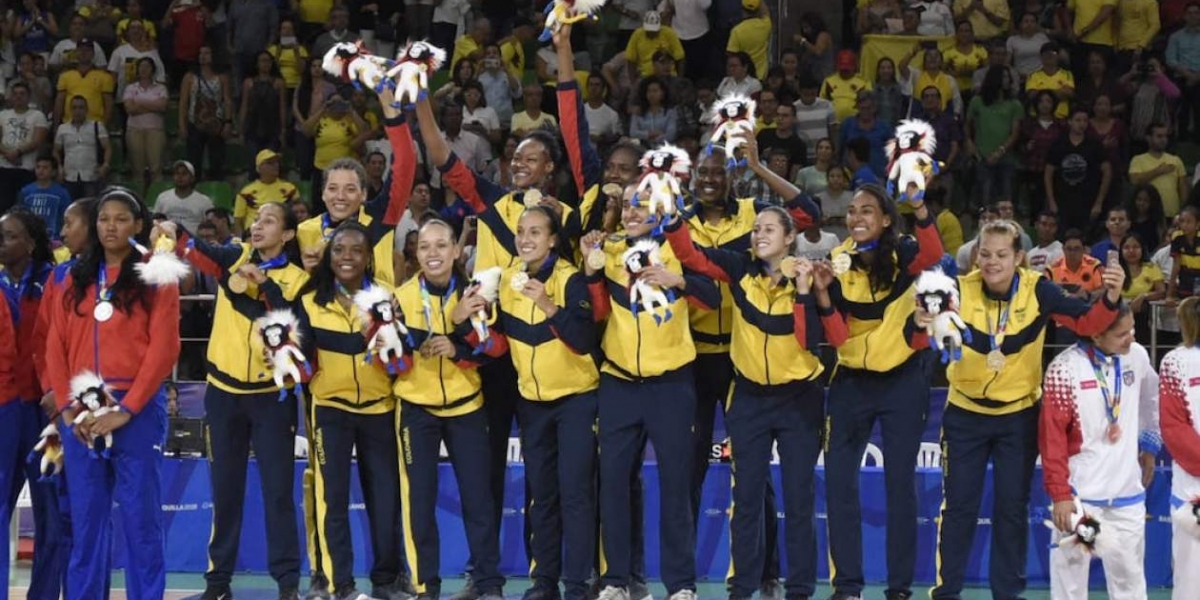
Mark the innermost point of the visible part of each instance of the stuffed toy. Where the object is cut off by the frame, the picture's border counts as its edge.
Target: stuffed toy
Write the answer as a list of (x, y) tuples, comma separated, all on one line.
[(659, 187), (91, 397), (160, 266), (1187, 517), (910, 156), (487, 284), (410, 73), (1086, 537), (642, 295), (352, 63), (50, 447), (731, 115), (279, 336), (384, 331), (937, 293), (567, 12)]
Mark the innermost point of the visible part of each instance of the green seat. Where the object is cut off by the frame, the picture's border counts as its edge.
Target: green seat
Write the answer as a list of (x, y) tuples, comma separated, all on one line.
[(157, 187), (220, 192), (304, 187)]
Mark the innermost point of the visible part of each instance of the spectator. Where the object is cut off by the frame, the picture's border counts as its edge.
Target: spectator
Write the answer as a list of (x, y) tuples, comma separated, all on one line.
[(1077, 174), (1137, 26), (299, 209), (858, 151), (133, 12), (1149, 221), (813, 179), (1117, 226), (1096, 82), (183, 204), (500, 84), (1153, 97), (1025, 45), (102, 18), (864, 124), (756, 187), (842, 88), (1160, 169), (532, 117), (124, 62), (948, 226), (1094, 31), (96, 85), (1111, 132), (477, 116), (1183, 58), (1144, 283), (910, 21), (81, 146), (1005, 209), (41, 93), (997, 57), (253, 24), (418, 17), (334, 128), (187, 19), (418, 204), (266, 189), (65, 55), (1185, 256), (680, 88), (1038, 133), (815, 243), (617, 74), (656, 121), (1048, 249), (290, 56), (816, 117), (35, 27), (877, 16), (739, 76), (890, 100), (650, 39), (221, 221), (1076, 272), (689, 18), (753, 34), (23, 132), (512, 48), (789, 64), (784, 137), (835, 201), (463, 72), (1162, 255), (931, 74), (816, 45), (375, 165), (634, 14), (604, 124), (145, 101), (500, 170), (472, 149), (1054, 78), (988, 18), (337, 31), (965, 56), (312, 94), (765, 111), (205, 114), (945, 127), (45, 197), (263, 112), (936, 18), (966, 256), (450, 24)]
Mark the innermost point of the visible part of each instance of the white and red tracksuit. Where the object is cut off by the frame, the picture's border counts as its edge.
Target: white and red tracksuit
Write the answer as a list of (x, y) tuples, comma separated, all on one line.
[(1080, 460), (1179, 391)]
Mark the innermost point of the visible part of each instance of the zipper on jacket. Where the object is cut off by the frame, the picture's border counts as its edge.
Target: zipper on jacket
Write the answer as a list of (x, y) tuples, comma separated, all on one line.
[(442, 359), (533, 356)]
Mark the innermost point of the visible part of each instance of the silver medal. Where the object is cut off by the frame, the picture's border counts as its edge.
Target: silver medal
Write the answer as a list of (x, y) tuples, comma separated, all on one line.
[(995, 360), (103, 311)]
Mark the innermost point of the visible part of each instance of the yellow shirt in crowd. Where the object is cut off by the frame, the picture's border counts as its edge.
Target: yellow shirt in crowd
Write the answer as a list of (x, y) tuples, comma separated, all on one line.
[(642, 47), (752, 37), (1167, 184), (963, 66), (1137, 24), (984, 29), (843, 93), (256, 194), (92, 87), (1039, 80), (1085, 12), (334, 140), (290, 61)]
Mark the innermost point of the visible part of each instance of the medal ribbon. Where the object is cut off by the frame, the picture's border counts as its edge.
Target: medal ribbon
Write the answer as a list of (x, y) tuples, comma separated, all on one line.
[(1002, 320), (327, 227), (103, 294), (1112, 402), (867, 247), (427, 304), (274, 263)]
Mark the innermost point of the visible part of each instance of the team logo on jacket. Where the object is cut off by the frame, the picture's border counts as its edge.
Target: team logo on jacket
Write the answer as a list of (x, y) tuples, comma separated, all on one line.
[(1127, 377)]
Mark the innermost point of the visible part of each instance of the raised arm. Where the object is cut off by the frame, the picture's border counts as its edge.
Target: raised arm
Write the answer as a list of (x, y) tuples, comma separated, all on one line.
[(392, 201), (719, 264), (1077, 314), (929, 243), (572, 120), (477, 192)]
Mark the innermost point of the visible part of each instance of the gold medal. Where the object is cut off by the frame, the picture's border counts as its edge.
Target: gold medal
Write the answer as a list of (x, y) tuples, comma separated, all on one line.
[(532, 198), (237, 283), (995, 360), (612, 190), (842, 264), (103, 311), (596, 259), (787, 267), (1113, 432), (518, 281)]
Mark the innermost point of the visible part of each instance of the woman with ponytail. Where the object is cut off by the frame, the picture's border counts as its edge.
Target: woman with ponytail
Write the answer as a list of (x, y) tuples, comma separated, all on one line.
[(126, 332)]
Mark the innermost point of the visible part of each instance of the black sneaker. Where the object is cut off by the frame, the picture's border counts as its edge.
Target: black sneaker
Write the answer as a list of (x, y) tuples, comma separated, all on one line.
[(318, 588), (289, 594), (898, 595), (542, 591), (468, 592), (393, 591), (217, 592)]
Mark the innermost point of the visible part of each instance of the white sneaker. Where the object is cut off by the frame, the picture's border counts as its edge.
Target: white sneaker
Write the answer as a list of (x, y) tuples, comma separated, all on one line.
[(613, 592), (684, 594)]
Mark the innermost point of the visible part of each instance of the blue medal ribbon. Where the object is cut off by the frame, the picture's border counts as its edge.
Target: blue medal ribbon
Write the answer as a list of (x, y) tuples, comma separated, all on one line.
[(427, 304), (1002, 320), (1112, 401)]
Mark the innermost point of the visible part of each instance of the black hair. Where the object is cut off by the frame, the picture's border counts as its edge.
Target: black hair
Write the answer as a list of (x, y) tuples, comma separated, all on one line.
[(305, 89), (882, 269), (549, 142), (128, 287), (220, 213), (562, 245), (1073, 234), (274, 72), (993, 88), (291, 248), (1037, 99), (47, 158), (1155, 125), (807, 82), (1048, 213), (1157, 214), (644, 88), (323, 281), (206, 225), (785, 218), (1117, 208), (18, 84), (153, 67), (860, 148), (1132, 235), (1049, 47), (472, 85), (35, 228), (746, 61)]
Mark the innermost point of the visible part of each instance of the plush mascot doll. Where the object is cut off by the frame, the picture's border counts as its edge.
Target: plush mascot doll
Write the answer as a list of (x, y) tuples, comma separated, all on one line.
[(910, 156), (384, 331), (279, 335), (415, 63), (92, 398), (567, 12), (50, 447), (659, 187), (642, 295), (160, 266), (1087, 537), (731, 115), (352, 63), (487, 282), (937, 293), (1187, 517)]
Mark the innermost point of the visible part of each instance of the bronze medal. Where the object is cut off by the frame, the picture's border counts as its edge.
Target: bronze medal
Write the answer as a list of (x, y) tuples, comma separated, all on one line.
[(995, 360)]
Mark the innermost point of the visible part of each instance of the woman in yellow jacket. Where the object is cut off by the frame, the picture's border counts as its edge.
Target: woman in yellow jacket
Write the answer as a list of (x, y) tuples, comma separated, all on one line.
[(440, 400), (242, 404), (353, 417), (547, 320)]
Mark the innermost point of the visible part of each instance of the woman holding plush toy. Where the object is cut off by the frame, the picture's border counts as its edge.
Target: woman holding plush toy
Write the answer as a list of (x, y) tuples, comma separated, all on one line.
[(113, 326), (992, 408)]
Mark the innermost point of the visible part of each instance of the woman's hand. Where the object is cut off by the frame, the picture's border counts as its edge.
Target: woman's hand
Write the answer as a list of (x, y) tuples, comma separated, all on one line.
[(1136, 305), (109, 422), (658, 275), (470, 304), (922, 318), (253, 273), (1114, 280), (1062, 511), (536, 290), (822, 275), (802, 274), (438, 345)]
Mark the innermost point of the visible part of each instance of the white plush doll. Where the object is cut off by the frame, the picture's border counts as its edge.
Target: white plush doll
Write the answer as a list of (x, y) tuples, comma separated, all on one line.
[(487, 283), (411, 71), (1086, 538), (160, 266), (279, 336), (50, 447), (730, 116), (384, 331), (567, 12), (642, 295), (90, 395), (1187, 517), (937, 293), (352, 63), (910, 153), (659, 187)]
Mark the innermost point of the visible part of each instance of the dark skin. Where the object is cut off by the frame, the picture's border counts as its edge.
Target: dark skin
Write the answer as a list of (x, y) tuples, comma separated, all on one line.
[(349, 256), (16, 246)]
